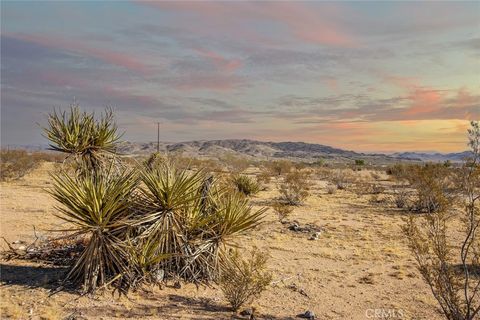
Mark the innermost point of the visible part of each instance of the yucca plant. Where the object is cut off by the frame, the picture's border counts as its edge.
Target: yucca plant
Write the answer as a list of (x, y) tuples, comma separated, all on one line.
[(188, 221), (97, 206), (245, 184), (82, 136)]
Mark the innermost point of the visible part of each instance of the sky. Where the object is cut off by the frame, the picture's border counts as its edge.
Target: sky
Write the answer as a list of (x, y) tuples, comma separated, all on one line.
[(380, 76)]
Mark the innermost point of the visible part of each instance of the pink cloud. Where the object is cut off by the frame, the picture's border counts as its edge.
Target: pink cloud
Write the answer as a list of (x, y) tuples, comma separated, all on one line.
[(108, 56), (223, 64), (424, 101), (213, 82), (310, 24)]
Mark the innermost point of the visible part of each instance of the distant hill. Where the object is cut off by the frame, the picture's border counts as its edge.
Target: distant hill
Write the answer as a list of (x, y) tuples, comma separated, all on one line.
[(272, 150), (256, 149), (434, 156)]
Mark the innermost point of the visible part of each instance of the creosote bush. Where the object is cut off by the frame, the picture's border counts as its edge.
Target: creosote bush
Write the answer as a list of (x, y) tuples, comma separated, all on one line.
[(450, 264), (294, 188), (245, 184), (244, 279), (279, 167), (433, 184), (283, 210)]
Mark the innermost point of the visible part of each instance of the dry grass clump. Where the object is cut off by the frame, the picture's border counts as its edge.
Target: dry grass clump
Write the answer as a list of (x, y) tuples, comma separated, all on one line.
[(341, 178), (331, 189), (245, 184), (283, 210), (263, 179), (14, 164), (279, 167), (235, 164), (241, 280), (294, 188), (401, 197)]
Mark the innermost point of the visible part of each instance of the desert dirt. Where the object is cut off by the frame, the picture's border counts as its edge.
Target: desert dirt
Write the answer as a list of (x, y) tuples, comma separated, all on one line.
[(358, 268)]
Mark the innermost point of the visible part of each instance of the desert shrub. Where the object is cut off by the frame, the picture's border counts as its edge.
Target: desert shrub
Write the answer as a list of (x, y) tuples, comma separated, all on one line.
[(375, 175), (401, 197), (331, 189), (398, 171), (294, 188), (359, 162), (244, 279), (263, 179), (282, 209), (451, 265), (235, 164), (318, 163), (279, 167), (340, 178), (245, 184), (15, 164), (433, 185)]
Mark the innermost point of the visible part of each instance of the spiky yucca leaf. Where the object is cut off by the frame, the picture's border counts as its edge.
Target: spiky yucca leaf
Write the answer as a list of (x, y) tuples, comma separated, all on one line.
[(189, 220), (82, 136), (97, 206)]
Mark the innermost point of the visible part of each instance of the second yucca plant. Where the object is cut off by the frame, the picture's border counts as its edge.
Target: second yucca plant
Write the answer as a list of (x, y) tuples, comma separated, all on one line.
[(190, 219)]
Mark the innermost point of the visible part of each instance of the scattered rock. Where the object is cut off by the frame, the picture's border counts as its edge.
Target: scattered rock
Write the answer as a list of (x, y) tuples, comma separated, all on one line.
[(295, 288), (247, 312), (307, 315), (295, 227), (159, 275), (315, 236), (307, 228)]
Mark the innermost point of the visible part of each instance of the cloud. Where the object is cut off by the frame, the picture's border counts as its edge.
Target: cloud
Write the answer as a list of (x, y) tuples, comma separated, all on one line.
[(312, 24), (106, 55), (221, 63)]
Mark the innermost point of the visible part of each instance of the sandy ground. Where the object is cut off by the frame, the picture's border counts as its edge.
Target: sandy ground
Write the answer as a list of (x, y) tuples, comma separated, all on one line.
[(359, 268)]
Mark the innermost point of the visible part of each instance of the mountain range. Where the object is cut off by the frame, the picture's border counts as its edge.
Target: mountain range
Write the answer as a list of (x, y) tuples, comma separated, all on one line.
[(281, 150)]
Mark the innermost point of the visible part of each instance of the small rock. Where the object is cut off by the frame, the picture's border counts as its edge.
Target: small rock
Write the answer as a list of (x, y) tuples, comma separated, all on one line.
[(22, 248), (307, 315), (177, 285), (246, 312), (294, 227), (18, 242), (159, 275), (314, 236)]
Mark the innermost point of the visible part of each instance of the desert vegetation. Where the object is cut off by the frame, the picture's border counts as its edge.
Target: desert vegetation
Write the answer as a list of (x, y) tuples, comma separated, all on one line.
[(191, 237), (450, 265)]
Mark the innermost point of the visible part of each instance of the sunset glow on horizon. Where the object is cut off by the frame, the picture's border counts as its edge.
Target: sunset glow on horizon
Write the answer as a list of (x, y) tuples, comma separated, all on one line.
[(362, 76)]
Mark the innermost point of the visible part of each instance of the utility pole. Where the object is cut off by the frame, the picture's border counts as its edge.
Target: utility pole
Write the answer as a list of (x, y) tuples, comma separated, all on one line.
[(158, 137)]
